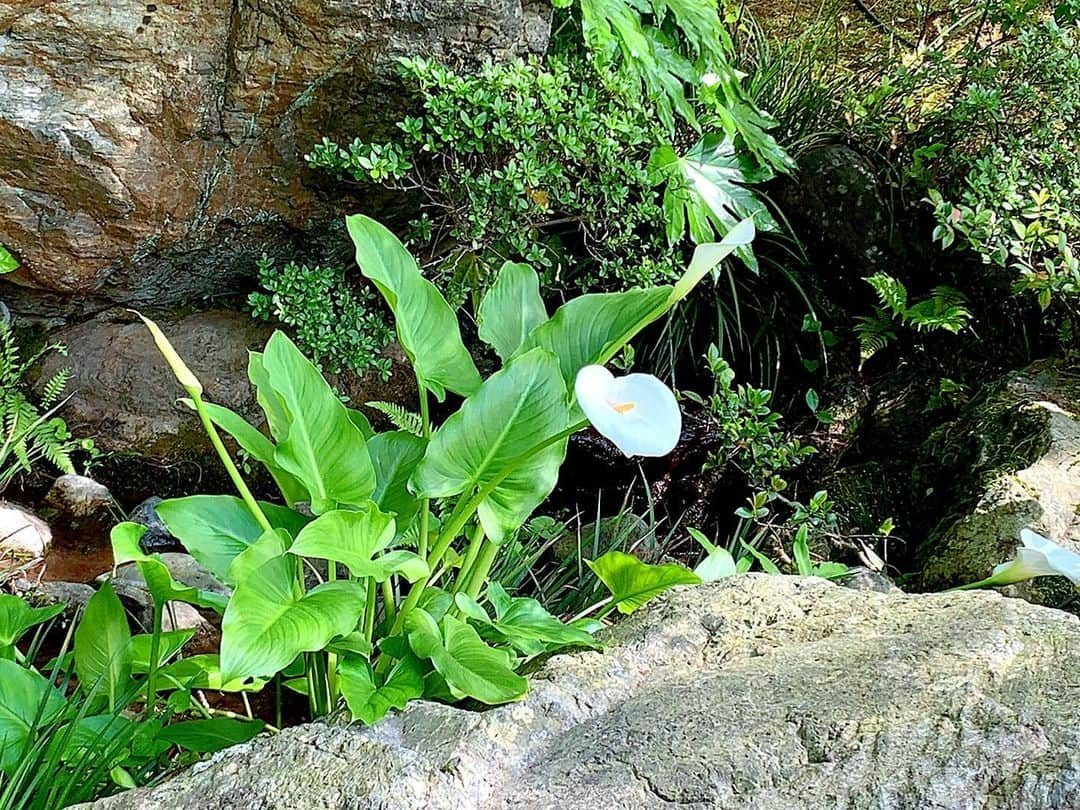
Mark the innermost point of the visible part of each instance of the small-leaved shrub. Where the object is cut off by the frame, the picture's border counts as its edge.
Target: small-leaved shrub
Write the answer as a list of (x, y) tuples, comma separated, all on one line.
[(335, 324)]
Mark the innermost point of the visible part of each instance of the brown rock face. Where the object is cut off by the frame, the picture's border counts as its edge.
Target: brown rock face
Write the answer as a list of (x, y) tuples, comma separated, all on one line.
[(124, 396), (149, 151)]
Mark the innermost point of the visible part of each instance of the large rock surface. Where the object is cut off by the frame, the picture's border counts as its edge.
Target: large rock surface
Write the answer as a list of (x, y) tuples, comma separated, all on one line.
[(1019, 450), (123, 395), (760, 692), (149, 152)]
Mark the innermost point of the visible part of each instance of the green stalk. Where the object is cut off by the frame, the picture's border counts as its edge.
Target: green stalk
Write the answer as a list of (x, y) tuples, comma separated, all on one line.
[(369, 613), (471, 553), (155, 652), (464, 513), (389, 601), (230, 467), (480, 572), (425, 504)]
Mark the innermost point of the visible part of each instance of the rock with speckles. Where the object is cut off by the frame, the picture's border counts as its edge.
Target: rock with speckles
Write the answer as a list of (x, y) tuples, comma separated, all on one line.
[(771, 693)]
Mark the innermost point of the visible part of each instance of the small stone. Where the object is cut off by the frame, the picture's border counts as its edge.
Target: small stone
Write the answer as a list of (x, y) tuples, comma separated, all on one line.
[(73, 595), (861, 578), (22, 533), (77, 496), (158, 538), (82, 513)]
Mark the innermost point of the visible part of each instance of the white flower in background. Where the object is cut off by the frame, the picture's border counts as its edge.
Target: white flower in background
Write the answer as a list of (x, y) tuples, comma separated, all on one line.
[(638, 413), (1038, 557)]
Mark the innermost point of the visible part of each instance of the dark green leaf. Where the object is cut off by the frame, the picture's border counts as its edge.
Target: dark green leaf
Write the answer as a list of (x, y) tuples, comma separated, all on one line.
[(103, 649), (212, 734), (369, 702), (511, 309)]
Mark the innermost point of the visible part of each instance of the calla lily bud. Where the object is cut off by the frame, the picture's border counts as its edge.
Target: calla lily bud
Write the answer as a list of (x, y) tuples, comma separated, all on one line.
[(179, 368), (638, 413)]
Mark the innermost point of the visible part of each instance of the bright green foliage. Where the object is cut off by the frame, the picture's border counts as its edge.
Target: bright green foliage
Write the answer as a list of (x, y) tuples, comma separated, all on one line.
[(633, 583), (523, 160), (8, 263), (337, 326), (426, 326), (489, 447), (707, 192), (469, 666), (1012, 69), (29, 431), (945, 308), (673, 53), (368, 701), (56, 749), (523, 623), (269, 621), (489, 465), (357, 539), (322, 448), (103, 648), (510, 310), (17, 617), (529, 161), (749, 429)]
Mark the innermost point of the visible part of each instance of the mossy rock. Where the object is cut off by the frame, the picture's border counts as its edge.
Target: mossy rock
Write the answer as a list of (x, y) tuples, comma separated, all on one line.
[(1011, 461)]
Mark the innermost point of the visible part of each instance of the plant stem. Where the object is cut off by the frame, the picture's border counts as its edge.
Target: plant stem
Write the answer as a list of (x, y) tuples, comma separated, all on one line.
[(389, 601), (369, 613), (425, 504), (230, 467), (155, 652), (479, 574), (471, 553), (463, 514)]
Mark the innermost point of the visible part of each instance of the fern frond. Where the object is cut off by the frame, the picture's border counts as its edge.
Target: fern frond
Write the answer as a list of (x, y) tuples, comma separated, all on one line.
[(399, 417), (891, 292), (875, 333), (54, 388)]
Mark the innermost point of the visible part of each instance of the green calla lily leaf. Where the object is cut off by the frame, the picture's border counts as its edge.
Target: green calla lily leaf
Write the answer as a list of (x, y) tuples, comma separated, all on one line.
[(632, 583)]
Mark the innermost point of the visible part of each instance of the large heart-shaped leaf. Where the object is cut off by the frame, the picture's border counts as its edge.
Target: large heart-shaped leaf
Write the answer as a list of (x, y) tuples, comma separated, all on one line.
[(482, 446), (323, 448), (470, 667), (511, 309), (26, 700), (215, 528), (633, 583), (427, 328), (159, 580), (16, 617), (256, 445), (269, 622), (357, 539), (271, 544), (103, 651), (395, 455), (524, 623), (367, 700)]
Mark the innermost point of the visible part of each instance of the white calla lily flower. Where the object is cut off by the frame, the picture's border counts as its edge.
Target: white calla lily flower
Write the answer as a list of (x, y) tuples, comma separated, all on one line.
[(638, 413), (1038, 557)]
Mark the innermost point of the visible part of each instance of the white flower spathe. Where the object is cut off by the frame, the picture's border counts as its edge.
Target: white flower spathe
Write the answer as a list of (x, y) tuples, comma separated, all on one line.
[(638, 413), (1038, 557)]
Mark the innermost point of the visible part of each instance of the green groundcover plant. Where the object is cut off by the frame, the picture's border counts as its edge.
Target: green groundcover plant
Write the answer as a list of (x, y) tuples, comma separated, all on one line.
[(89, 721), (371, 583)]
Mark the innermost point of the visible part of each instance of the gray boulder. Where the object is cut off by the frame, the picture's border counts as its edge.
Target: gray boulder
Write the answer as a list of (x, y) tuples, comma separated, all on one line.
[(758, 692), (1021, 450)]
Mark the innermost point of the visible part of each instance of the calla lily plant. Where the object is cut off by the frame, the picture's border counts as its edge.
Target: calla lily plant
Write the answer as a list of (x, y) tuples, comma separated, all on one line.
[(407, 524)]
